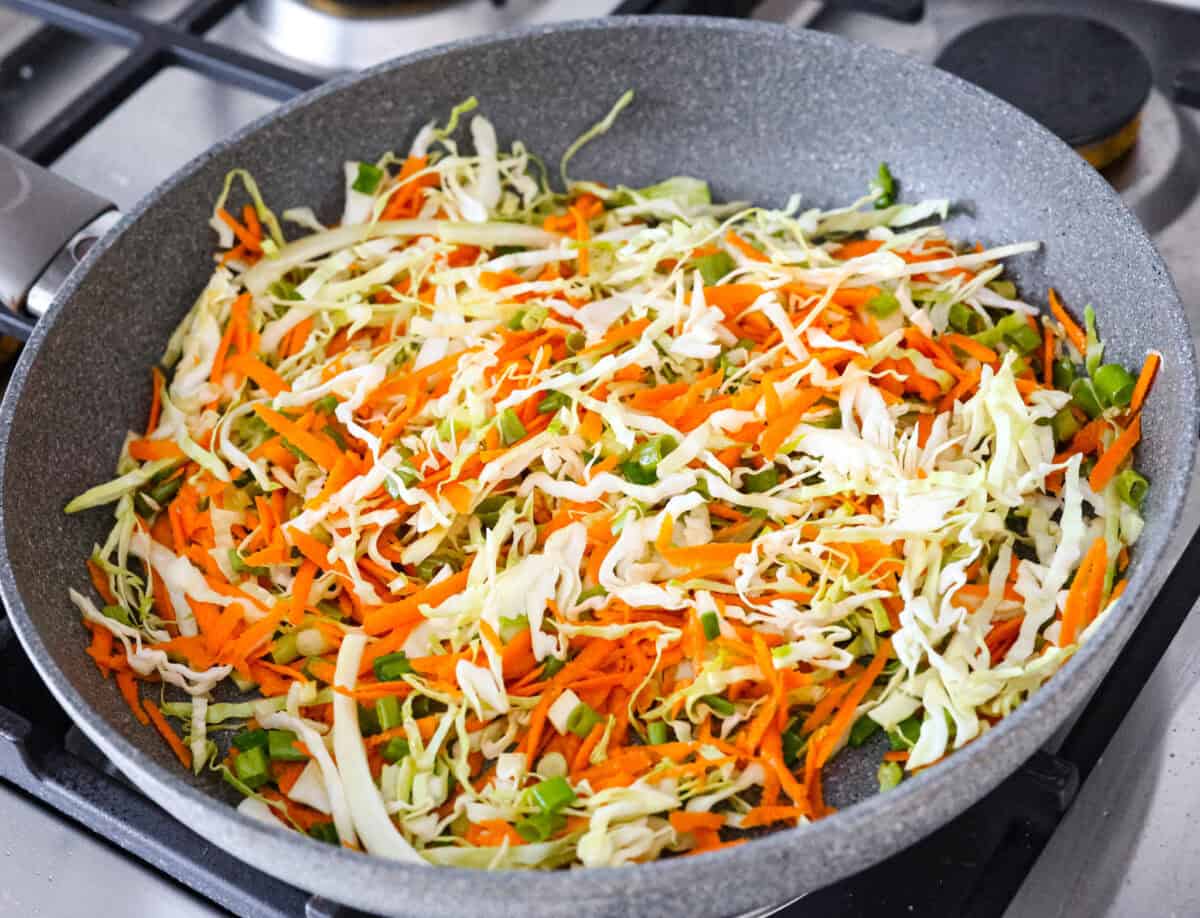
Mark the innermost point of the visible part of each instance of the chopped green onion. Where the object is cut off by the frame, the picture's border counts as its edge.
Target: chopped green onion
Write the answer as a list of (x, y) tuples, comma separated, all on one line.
[(711, 625), (392, 667), (964, 319), (656, 733), (387, 710), (864, 728), (250, 739), (722, 707), (539, 827), (552, 402), (793, 745), (589, 592), (576, 342), (642, 465), (324, 832), (1005, 288), (1132, 487), (488, 509), (1095, 348), (284, 290), (161, 493), (635, 474), (408, 476), (581, 720), (552, 795), (1114, 384), (511, 428), (714, 267), (395, 749), (1064, 425), (281, 745), (761, 481), (368, 722), (890, 774), (251, 767), (885, 184), (1023, 339), (883, 304), (551, 667), (904, 735), (1084, 395), (325, 405), (286, 649), (368, 178), (118, 614), (516, 320), (1064, 374)]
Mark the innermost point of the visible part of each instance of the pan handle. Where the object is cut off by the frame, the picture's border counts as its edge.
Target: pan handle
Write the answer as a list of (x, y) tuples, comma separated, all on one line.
[(46, 225), (1187, 86)]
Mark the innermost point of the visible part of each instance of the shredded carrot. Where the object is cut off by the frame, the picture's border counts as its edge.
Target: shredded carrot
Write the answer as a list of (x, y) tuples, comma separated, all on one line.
[(160, 723), (1074, 333), (129, 692), (156, 385), (267, 379), (1117, 453), (150, 450), (1084, 593), (318, 447), (1144, 381), (683, 821), (744, 247)]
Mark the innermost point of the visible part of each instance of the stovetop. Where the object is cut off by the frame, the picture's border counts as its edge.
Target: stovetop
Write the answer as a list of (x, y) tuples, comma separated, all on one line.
[(167, 78)]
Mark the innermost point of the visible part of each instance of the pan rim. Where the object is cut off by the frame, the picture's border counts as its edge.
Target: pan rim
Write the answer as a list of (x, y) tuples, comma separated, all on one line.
[(841, 844)]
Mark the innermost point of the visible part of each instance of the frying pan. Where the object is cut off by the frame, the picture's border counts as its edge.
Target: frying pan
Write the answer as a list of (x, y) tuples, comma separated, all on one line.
[(761, 111)]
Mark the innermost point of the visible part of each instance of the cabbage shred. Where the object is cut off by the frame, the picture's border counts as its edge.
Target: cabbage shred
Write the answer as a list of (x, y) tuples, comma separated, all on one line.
[(585, 528)]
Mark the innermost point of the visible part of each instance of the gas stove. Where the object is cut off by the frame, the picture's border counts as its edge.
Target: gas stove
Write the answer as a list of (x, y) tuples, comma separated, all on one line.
[(117, 95)]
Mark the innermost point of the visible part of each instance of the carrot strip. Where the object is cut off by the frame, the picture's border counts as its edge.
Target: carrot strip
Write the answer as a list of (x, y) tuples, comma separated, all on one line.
[(151, 450), (683, 821), (1080, 596), (1121, 447), (383, 618), (156, 384), (744, 247), (1074, 333), (160, 723), (1145, 380), (971, 348), (317, 447), (266, 378), (128, 687), (301, 587)]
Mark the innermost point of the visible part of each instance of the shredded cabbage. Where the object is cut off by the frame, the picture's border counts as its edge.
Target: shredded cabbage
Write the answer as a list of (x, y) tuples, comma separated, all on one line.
[(584, 527)]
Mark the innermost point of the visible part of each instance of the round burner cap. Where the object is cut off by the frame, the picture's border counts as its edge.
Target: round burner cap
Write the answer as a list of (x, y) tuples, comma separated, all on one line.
[(1082, 79)]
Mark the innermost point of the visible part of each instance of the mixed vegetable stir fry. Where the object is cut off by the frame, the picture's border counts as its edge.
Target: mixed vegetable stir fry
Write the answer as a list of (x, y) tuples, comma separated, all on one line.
[(503, 527)]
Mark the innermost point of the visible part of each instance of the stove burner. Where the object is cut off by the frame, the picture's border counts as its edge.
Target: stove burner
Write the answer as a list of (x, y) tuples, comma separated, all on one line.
[(1084, 80), (335, 35)]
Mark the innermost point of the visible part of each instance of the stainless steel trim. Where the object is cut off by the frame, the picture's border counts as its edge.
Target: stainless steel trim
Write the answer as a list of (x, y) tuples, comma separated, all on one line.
[(42, 293)]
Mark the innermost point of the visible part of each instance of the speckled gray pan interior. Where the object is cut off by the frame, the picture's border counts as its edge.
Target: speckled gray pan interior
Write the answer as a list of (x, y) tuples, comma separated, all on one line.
[(761, 111)]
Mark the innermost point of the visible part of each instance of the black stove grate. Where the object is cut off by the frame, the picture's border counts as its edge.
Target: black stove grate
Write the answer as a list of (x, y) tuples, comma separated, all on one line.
[(971, 867)]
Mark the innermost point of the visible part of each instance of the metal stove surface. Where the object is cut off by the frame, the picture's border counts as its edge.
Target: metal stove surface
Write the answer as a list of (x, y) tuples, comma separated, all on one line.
[(1125, 848)]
